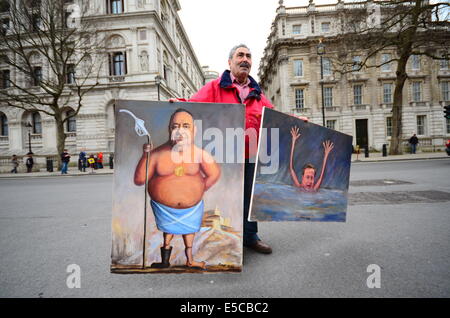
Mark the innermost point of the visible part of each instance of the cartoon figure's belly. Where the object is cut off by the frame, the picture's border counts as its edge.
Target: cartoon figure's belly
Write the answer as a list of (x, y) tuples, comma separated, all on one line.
[(178, 192)]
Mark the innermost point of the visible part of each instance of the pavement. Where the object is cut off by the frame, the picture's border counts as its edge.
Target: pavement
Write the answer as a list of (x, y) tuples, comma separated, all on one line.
[(48, 225), (373, 157)]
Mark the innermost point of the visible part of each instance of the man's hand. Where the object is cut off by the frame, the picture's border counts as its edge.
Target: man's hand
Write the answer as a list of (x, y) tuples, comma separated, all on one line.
[(295, 134), (328, 146), (147, 148)]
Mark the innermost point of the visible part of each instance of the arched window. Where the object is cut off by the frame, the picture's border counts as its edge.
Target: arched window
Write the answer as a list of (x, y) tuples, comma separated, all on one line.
[(36, 122), (3, 125), (71, 122)]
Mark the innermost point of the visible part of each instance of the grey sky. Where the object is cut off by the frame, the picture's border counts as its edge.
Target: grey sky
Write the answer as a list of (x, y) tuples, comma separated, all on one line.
[(214, 27)]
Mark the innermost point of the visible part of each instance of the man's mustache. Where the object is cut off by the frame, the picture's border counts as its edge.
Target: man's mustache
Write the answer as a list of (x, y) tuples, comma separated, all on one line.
[(245, 64)]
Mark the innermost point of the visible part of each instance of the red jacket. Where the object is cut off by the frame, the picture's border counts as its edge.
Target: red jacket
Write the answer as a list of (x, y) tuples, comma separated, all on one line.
[(222, 90)]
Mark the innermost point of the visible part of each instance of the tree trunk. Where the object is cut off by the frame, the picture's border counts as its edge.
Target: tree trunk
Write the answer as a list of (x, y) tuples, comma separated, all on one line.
[(396, 147), (60, 137)]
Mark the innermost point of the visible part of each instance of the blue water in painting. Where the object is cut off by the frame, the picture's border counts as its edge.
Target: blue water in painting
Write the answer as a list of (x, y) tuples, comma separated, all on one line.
[(279, 202)]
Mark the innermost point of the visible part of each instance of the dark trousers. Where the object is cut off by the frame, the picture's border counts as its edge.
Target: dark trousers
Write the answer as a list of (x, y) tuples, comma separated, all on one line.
[(250, 228)]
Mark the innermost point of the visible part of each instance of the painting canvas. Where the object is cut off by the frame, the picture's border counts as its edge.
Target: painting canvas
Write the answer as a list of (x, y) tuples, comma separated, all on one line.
[(312, 176), (173, 166)]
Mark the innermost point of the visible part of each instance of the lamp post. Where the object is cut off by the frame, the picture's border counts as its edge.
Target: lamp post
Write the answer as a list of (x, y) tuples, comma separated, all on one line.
[(321, 52), (29, 127), (158, 83)]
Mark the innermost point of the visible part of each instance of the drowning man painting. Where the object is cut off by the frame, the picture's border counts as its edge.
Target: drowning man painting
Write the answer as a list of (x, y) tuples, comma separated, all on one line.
[(311, 183), (178, 175), (309, 171)]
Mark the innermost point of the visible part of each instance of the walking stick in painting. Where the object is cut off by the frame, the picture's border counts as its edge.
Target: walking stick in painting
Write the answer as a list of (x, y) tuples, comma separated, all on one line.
[(139, 127)]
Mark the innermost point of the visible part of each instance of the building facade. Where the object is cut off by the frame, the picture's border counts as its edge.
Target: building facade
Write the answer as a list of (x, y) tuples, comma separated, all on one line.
[(148, 56), (357, 103)]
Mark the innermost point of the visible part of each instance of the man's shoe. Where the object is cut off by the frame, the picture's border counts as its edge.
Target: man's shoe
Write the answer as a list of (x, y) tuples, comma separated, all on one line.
[(260, 247)]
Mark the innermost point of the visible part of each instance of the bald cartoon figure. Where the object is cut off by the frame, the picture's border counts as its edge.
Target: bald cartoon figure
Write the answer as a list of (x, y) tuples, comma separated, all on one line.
[(179, 173), (309, 171)]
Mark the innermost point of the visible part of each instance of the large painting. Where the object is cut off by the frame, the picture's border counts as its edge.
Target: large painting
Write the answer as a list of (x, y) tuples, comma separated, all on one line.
[(173, 166), (312, 176)]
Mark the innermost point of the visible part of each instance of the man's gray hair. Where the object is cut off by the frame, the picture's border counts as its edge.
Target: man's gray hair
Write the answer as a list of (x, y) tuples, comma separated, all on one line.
[(233, 50)]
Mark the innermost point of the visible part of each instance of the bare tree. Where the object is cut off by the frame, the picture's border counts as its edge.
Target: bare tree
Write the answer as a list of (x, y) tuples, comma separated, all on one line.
[(54, 56), (405, 28)]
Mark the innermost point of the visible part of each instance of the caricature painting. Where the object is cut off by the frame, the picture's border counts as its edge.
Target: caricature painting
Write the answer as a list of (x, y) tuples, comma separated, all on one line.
[(312, 179), (173, 166)]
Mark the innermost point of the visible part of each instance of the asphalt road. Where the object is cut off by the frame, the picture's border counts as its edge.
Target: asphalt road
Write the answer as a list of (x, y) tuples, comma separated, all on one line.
[(46, 224)]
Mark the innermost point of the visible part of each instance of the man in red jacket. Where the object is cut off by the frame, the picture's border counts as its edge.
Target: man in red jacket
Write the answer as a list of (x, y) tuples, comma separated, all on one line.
[(236, 86)]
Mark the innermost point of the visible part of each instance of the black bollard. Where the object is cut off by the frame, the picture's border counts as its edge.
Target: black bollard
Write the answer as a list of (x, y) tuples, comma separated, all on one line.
[(111, 161), (49, 165), (384, 150), (366, 152)]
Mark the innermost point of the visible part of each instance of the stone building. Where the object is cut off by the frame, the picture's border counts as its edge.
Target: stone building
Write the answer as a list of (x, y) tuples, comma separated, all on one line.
[(148, 56), (357, 103)]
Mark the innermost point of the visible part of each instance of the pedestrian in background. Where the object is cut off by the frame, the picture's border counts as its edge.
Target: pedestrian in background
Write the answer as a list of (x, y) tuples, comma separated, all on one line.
[(82, 161), (413, 141), (91, 162), (65, 159), (29, 163), (15, 163), (100, 160)]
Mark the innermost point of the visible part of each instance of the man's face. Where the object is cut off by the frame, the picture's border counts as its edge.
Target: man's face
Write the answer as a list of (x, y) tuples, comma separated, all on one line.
[(182, 129), (308, 178), (241, 63)]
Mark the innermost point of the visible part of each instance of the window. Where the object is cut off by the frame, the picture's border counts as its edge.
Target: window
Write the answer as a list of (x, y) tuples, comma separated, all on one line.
[(421, 125), (357, 94), (71, 122), (326, 66), (297, 29), (70, 74), (35, 23), (34, 3), (37, 76), (331, 124), (142, 35), (443, 64), (115, 6), (5, 79), (415, 63), (384, 59), (389, 126), (299, 98), (356, 63), (37, 125), (387, 93), (417, 91), (298, 68), (448, 125), (3, 125), (118, 64), (328, 96), (445, 91), (4, 6), (325, 27), (5, 24)]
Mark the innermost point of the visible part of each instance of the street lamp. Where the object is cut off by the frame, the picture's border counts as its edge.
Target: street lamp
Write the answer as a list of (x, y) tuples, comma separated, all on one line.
[(321, 52), (29, 127), (158, 83)]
